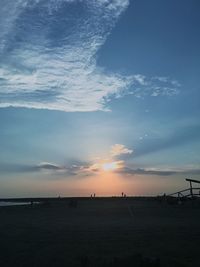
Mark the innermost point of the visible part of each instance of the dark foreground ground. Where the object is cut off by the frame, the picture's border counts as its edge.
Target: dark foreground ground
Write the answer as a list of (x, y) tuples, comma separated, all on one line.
[(100, 233)]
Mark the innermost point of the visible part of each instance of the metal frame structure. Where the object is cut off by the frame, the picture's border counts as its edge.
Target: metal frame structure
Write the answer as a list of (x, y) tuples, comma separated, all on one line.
[(189, 192)]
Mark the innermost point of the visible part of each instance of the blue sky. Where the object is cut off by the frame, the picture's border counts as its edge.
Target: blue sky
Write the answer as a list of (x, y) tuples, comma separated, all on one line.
[(98, 95)]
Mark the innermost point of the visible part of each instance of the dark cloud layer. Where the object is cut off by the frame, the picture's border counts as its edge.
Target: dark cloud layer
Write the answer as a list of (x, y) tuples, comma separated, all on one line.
[(157, 172), (25, 168), (85, 170)]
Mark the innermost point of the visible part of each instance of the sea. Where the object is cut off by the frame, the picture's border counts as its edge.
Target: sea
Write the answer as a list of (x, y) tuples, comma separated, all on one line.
[(4, 203)]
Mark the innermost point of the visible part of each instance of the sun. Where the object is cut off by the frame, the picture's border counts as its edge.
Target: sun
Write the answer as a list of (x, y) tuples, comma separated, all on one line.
[(110, 166)]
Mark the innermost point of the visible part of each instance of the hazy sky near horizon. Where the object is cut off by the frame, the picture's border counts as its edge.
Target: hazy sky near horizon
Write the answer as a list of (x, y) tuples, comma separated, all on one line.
[(98, 96)]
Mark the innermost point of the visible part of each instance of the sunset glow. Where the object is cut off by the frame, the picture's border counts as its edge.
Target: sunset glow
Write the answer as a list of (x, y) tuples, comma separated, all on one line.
[(110, 166)]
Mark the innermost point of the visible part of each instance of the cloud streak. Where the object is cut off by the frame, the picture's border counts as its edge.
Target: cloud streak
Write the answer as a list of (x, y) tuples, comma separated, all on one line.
[(48, 52), (181, 136), (44, 167), (118, 149), (157, 172), (88, 169)]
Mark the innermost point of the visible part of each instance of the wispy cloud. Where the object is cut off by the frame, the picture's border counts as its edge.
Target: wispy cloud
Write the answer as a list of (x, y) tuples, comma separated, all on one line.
[(48, 168), (143, 86), (48, 52), (119, 149), (55, 171), (157, 171), (111, 161), (181, 136), (69, 170), (73, 167), (142, 171)]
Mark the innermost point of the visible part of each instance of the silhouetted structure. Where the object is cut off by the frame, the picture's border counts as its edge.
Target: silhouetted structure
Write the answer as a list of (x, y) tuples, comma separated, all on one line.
[(189, 192), (191, 188)]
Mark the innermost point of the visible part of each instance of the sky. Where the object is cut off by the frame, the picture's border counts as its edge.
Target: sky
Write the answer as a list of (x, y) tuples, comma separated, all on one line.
[(99, 96)]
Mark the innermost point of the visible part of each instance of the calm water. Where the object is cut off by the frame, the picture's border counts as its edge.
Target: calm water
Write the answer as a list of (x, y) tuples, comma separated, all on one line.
[(4, 203)]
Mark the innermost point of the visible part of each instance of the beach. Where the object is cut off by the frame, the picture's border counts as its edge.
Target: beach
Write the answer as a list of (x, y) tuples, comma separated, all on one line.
[(100, 232)]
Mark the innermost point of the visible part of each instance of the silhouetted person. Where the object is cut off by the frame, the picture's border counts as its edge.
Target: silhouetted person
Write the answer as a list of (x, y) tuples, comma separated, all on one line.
[(122, 194), (164, 197)]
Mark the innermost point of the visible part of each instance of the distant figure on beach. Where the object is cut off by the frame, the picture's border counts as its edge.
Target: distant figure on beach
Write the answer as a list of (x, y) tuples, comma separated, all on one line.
[(94, 195), (122, 194)]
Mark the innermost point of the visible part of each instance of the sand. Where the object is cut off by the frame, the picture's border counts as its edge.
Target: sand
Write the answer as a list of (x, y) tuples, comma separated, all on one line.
[(100, 232)]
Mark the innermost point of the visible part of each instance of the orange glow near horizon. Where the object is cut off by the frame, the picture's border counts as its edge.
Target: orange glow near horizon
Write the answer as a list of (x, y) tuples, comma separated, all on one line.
[(110, 183), (104, 183), (110, 166), (103, 178), (106, 166)]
